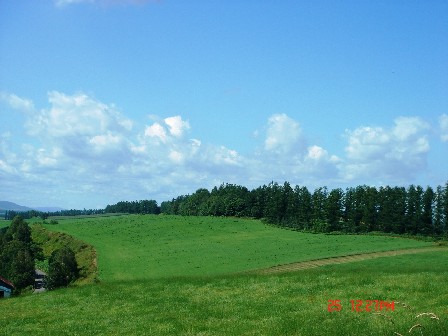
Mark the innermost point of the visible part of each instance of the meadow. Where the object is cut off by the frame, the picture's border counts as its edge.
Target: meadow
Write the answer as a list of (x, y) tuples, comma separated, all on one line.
[(4, 223), (144, 247), (164, 275)]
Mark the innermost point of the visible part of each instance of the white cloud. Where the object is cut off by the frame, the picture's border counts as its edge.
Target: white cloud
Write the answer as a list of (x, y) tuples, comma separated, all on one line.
[(226, 156), (176, 156), (443, 123), (319, 164), (319, 154), (17, 102), (83, 149), (316, 153), (8, 160), (286, 155), (407, 128), (367, 143), (77, 116), (397, 153), (283, 135), (88, 134), (109, 144), (177, 126), (170, 129), (156, 131)]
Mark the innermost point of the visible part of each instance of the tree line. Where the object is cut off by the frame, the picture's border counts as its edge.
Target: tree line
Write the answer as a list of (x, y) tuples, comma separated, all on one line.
[(10, 214), (413, 210), (133, 207)]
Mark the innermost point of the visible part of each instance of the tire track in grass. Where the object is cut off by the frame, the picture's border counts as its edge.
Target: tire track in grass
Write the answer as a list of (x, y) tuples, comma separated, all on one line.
[(302, 265)]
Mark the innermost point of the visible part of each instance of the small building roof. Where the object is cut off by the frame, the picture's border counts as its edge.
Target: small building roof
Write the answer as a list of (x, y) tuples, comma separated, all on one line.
[(6, 283)]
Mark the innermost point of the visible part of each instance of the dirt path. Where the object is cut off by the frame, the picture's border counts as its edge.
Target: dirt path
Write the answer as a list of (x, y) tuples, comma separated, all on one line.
[(345, 259)]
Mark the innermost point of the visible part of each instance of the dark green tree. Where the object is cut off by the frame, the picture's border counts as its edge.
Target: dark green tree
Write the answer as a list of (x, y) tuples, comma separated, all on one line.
[(275, 204), (305, 207), (445, 209), (438, 211), (414, 209), (291, 201), (385, 209), (18, 253), (17, 264), (62, 268), (349, 210), (257, 202), (370, 209), (20, 230), (398, 216), (319, 203), (427, 226), (334, 211)]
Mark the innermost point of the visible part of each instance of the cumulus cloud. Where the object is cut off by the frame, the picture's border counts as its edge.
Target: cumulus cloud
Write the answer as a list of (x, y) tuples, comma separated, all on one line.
[(17, 102), (284, 135), (156, 131), (81, 126), (177, 126), (397, 153), (443, 123), (80, 148), (287, 156), (166, 139), (7, 159), (77, 115), (170, 129)]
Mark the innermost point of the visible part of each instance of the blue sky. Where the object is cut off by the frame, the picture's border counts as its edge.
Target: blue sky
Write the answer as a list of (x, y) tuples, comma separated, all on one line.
[(109, 100)]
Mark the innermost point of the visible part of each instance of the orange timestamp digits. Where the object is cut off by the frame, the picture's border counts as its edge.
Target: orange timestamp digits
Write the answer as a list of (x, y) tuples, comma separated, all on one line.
[(362, 305)]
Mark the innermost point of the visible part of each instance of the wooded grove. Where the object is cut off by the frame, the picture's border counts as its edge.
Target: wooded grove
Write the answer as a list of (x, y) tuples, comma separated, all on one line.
[(413, 210)]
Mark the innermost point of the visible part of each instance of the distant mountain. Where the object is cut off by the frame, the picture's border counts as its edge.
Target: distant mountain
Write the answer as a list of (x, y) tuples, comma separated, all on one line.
[(5, 205)]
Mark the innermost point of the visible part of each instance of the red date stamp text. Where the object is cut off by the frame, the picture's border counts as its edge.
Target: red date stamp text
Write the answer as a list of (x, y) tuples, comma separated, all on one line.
[(362, 305)]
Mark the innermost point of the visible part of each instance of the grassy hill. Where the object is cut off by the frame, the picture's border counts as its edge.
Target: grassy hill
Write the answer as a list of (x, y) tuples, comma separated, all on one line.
[(143, 247), (287, 304), (164, 275)]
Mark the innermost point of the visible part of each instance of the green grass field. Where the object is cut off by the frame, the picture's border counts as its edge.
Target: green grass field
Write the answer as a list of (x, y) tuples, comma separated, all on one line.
[(183, 280), (143, 247), (4, 223)]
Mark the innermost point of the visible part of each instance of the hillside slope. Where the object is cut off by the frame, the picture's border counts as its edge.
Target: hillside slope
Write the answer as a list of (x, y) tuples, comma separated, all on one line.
[(6, 205), (146, 247)]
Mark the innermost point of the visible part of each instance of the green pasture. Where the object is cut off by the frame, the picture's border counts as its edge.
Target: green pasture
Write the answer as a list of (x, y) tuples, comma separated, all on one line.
[(4, 223), (287, 304), (169, 275), (139, 247)]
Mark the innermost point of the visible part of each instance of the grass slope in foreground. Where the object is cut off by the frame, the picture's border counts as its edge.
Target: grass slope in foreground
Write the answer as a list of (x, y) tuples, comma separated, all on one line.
[(143, 247), (287, 304)]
